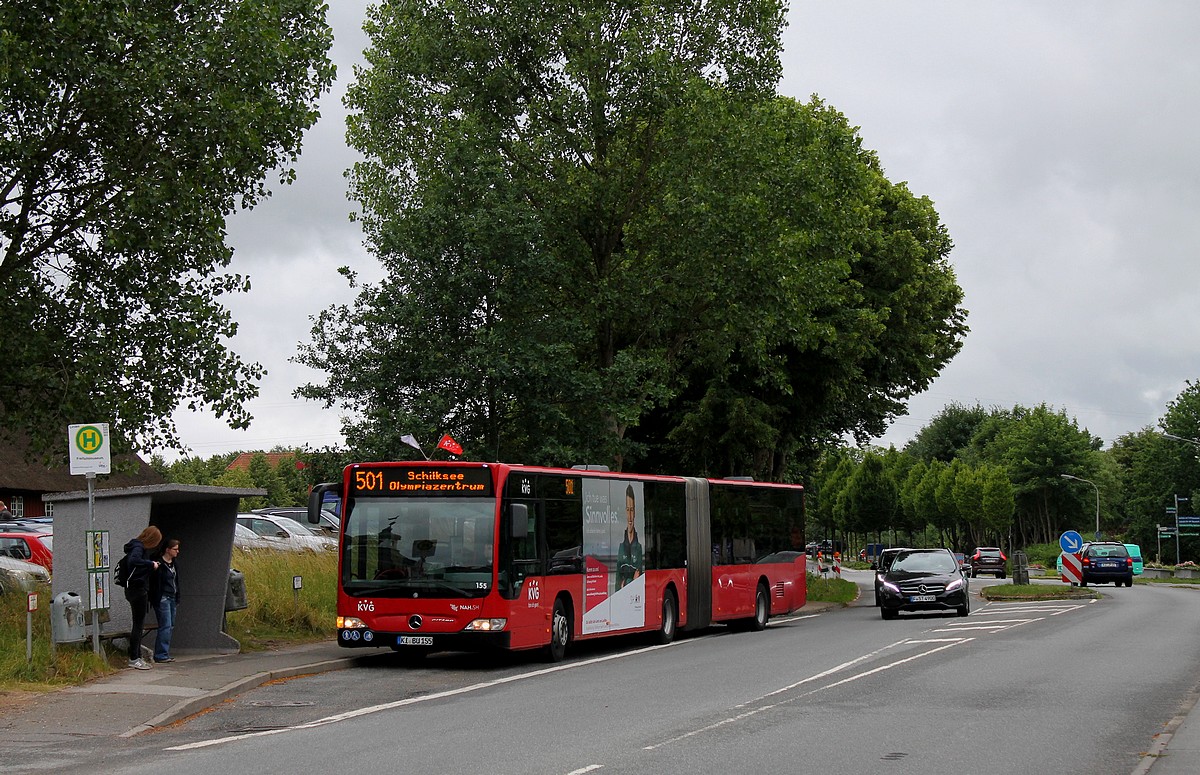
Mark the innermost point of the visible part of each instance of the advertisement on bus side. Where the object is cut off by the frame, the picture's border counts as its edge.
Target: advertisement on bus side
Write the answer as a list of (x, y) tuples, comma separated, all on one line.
[(614, 581)]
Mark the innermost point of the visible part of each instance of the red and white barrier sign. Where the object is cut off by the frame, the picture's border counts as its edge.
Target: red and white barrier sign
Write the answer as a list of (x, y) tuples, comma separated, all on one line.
[(1072, 568)]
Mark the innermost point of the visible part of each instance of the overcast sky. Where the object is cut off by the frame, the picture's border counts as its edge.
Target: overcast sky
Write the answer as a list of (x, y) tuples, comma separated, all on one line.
[(1057, 140)]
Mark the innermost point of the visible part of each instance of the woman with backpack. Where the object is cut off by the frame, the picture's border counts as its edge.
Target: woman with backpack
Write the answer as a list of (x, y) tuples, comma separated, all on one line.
[(137, 589)]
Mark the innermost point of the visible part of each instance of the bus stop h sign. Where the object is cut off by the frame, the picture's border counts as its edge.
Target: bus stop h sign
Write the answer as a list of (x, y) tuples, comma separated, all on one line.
[(89, 448)]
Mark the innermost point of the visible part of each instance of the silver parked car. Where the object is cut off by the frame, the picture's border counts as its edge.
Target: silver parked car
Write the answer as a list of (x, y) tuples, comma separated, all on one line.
[(21, 575), (286, 533)]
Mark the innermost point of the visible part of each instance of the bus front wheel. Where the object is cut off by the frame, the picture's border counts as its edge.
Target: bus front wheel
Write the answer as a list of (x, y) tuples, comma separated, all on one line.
[(560, 632)]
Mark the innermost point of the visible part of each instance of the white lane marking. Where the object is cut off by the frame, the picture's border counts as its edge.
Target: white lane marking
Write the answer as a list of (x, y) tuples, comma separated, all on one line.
[(588, 768), (949, 644), (352, 714)]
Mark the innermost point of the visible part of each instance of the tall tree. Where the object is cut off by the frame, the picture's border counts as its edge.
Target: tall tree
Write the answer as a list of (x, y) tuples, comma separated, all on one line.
[(607, 239), (128, 132), (948, 434), (1037, 446)]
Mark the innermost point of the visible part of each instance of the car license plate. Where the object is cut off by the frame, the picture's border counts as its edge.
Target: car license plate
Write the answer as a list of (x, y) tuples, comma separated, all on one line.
[(415, 640), (922, 598)]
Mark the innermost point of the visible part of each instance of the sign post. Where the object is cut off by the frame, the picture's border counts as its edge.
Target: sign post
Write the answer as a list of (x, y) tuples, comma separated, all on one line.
[(29, 609), (1072, 568), (90, 454)]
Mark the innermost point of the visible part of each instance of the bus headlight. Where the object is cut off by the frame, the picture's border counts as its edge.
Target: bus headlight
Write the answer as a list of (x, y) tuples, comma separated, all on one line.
[(350, 623), (485, 625)]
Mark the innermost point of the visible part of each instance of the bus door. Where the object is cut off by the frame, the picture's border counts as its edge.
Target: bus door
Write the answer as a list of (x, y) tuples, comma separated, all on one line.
[(521, 569)]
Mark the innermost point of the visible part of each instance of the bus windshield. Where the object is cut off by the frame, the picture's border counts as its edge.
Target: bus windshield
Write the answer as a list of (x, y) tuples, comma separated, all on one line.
[(418, 547)]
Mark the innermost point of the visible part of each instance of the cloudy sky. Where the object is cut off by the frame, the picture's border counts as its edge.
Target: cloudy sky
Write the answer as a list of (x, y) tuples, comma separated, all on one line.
[(1058, 141)]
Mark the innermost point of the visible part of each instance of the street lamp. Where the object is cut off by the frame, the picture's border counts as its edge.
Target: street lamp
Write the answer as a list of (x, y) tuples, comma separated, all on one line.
[(1093, 484), (1181, 438)]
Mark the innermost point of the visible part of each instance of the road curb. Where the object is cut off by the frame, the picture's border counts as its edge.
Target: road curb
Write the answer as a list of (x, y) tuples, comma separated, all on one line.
[(194, 705)]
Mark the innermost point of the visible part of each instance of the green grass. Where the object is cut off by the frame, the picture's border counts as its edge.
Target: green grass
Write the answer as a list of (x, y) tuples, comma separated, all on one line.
[(67, 666), (276, 614), (831, 590), (1036, 592)]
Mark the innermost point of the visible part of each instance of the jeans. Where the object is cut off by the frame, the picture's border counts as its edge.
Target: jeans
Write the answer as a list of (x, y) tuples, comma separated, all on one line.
[(166, 623)]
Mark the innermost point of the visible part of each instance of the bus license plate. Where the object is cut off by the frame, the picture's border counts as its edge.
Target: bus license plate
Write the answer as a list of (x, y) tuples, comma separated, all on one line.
[(922, 598), (415, 640)]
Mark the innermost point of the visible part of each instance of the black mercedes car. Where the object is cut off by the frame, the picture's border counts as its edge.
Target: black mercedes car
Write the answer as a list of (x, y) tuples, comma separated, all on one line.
[(923, 580)]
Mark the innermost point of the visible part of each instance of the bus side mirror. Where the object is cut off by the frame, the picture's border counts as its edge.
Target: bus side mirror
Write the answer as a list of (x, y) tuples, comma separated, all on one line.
[(520, 520), (316, 498)]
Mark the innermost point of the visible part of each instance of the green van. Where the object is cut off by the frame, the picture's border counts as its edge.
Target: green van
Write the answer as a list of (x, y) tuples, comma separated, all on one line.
[(1135, 552)]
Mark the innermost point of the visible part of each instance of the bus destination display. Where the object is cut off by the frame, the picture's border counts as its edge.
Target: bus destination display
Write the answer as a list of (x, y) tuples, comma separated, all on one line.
[(370, 481)]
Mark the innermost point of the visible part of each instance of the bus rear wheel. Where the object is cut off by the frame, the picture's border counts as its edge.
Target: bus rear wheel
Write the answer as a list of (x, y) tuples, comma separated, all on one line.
[(560, 632), (762, 610), (666, 630)]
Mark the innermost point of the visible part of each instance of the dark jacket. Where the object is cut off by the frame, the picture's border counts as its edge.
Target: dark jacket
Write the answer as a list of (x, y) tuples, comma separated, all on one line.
[(164, 582), (141, 566)]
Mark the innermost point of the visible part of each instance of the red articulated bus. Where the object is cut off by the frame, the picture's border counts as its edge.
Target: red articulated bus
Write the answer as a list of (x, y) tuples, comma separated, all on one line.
[(452, 556)]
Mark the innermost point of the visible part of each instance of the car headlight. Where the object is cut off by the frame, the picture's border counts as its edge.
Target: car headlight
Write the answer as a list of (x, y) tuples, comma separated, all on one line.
[(956, 584), (486, 625), (350, 623), (890, 587)]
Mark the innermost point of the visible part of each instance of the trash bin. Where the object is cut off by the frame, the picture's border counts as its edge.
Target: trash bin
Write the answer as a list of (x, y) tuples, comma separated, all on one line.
[(235, 591), (66, 618)]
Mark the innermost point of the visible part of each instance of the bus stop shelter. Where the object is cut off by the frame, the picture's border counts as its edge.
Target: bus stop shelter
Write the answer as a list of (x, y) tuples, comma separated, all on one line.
[(203, 520)]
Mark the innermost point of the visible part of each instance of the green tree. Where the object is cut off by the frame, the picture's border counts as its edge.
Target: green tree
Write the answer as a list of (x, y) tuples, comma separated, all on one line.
[(999, 502), (967, 492), (948, 519), (128, 132), (1037, 446), (241, 478), (871, 497), (266, 476), (827, 513), (948, 434), (608, 240)]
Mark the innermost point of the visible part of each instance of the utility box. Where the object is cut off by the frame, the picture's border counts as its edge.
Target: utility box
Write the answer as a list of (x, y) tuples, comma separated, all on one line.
[(66, 618), (235, 592), (1020, 564)]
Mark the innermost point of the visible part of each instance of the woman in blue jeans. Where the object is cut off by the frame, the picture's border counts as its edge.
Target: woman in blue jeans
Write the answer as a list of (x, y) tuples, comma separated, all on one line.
[(164, 596)]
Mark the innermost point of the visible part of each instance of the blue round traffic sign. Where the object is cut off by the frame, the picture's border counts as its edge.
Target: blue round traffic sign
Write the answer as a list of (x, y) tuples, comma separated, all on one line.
[(1070, 541)]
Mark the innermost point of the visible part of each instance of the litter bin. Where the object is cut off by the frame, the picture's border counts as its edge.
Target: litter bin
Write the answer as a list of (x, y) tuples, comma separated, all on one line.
[(235, 591), (66, 618)]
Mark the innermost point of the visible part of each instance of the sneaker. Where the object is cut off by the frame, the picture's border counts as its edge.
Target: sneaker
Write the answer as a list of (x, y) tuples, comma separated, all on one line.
[(139, 664), (164, 659)]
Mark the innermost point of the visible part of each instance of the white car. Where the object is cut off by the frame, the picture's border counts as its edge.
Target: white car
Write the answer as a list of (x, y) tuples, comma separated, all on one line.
[(286, 533), (21, 575), (246, 539)]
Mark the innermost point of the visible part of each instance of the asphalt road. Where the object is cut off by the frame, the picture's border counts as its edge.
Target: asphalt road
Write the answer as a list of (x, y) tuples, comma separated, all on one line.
[(1066, 686)]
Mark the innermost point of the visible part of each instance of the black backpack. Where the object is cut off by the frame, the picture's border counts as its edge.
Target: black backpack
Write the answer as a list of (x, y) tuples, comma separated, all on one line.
[(121, 574)]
